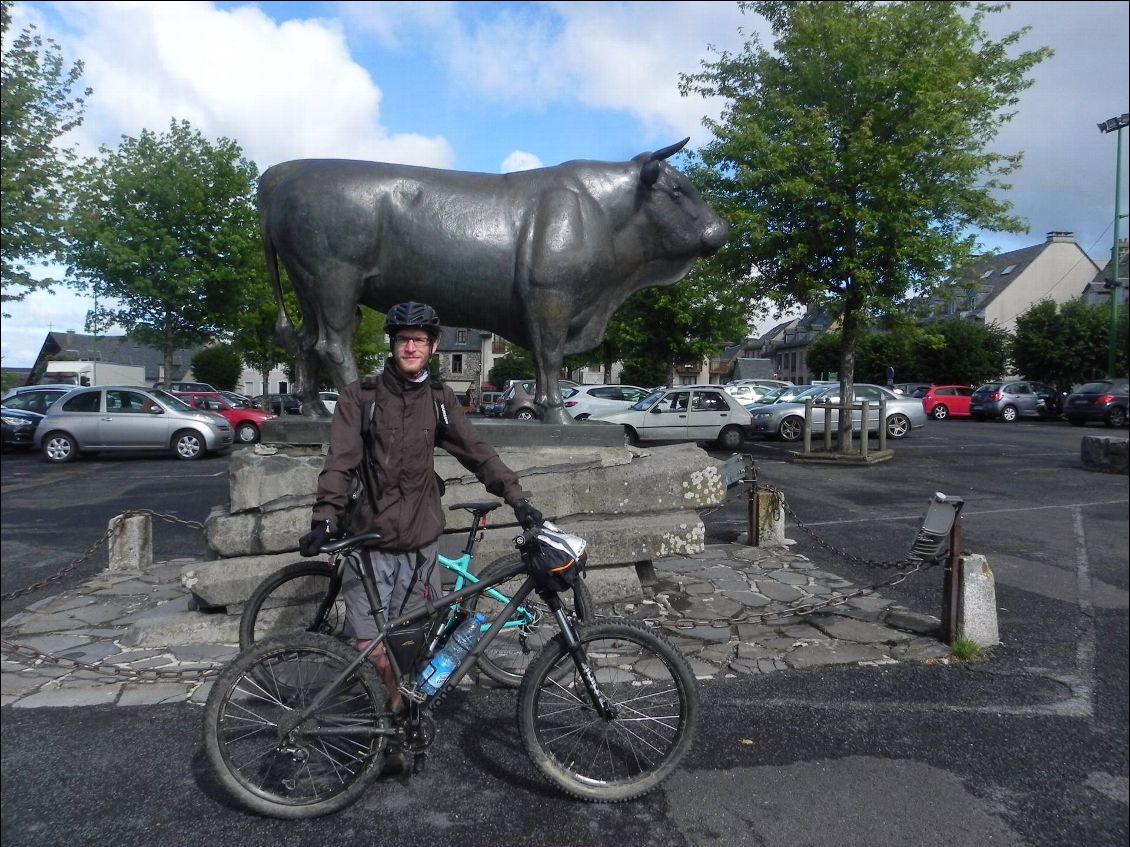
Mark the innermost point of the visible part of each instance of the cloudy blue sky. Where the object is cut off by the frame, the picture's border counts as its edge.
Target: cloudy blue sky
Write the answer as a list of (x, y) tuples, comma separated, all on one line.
[(503, 86)]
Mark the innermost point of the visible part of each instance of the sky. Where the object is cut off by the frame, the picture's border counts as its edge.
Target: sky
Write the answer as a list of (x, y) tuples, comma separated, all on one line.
[(498, 87)]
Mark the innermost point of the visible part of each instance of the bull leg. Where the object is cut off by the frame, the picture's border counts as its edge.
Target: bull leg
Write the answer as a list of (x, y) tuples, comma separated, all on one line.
[(549, 354)]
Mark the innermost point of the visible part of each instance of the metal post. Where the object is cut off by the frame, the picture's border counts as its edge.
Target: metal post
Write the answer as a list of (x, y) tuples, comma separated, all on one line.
[(1115, 125), (828, 427), (754, 516), (864, 437), (951, 588), (882, 423), (807, 425)]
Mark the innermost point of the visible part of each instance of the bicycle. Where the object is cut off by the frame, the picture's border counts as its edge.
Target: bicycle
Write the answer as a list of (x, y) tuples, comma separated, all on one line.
[(304, 596), (298, 725)]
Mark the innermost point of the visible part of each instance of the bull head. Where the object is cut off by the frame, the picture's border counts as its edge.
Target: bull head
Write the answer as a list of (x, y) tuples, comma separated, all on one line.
[(650, 172)]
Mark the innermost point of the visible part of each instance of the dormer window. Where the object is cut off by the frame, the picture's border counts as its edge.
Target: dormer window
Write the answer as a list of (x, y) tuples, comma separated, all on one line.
[(1008, 270), (970, 300), (987, 274)]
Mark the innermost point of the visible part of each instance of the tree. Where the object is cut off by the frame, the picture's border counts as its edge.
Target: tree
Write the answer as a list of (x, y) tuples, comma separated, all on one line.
[(219, 365), (516, 364), (851, 162), (166, 226), (1064, 345), (963, 352), (37, 107)]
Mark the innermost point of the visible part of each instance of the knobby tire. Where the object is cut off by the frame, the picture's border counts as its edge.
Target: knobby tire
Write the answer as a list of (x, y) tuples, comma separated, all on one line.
[(287, 601)]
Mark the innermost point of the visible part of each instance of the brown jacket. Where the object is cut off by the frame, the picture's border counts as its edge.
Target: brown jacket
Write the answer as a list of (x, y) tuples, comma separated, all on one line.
[(409, 513)]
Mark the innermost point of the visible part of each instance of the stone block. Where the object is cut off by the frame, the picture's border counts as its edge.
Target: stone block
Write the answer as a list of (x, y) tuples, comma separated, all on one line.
[(977, 611), (1104, 454), (131, 543)]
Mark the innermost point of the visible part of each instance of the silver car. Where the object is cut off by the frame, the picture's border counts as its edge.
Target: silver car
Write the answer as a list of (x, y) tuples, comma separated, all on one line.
[(786, 420), (684, 413), (123, 418)]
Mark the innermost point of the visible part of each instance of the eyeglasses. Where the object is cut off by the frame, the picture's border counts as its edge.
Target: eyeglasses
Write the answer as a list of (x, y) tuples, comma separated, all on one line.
[(415, 340)]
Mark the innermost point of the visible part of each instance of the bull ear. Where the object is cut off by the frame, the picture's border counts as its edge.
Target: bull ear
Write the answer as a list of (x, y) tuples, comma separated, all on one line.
[(649, 173), (669, 151)]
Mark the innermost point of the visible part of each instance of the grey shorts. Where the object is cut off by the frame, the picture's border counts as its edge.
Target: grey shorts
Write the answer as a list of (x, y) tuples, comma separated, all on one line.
[(404, 581)]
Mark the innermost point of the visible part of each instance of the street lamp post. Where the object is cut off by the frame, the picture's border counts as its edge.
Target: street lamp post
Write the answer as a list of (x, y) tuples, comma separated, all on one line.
[(1115, 125)]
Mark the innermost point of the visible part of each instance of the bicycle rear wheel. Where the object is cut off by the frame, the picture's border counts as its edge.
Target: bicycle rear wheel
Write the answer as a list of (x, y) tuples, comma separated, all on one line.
[(652, 693), (287, 601), (506, 658), (316, 767)]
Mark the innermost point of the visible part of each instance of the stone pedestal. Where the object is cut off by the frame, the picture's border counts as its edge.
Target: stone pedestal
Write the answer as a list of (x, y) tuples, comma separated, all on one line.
[(131, 543), (977, 609)]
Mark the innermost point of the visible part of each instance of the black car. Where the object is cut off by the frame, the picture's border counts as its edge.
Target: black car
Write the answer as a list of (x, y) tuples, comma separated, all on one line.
[(19, 428), (280, 404), (35, 398), (1103, 400)]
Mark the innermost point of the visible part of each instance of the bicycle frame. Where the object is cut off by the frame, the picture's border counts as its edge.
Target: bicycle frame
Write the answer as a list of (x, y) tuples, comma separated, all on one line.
[(429, 701)]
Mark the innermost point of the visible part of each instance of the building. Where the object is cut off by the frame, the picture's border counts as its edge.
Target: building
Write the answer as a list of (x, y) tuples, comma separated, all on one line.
[(1000, 288)]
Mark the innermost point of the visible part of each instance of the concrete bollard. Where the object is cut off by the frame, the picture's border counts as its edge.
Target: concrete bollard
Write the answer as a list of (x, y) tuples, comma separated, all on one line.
[(977, 606), (131, 543)]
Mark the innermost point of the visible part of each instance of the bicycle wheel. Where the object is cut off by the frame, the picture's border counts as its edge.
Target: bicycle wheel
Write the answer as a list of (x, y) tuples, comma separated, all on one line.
[(652, 693), (316, 767), (287, 602), (506, 658)]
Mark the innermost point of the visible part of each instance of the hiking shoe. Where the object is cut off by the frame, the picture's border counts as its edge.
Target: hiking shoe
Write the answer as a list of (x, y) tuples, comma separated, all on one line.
[(394, 763)]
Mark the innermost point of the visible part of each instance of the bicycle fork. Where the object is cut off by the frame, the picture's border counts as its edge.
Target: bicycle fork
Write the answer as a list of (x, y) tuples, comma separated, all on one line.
[(603, 707)]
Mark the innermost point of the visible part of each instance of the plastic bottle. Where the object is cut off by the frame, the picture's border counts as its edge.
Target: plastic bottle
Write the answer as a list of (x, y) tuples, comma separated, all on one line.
[(447, 660)]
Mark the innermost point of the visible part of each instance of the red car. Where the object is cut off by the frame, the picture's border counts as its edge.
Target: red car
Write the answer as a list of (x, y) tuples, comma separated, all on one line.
[(245, 421), (943, 401)]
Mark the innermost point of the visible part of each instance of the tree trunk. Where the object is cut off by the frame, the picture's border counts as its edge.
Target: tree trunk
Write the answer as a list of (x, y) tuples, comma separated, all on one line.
[(849, 336)]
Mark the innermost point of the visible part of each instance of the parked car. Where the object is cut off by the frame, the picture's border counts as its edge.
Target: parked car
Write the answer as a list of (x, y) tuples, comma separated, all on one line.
[(517, 401), (246, 421), (1103, 400), (911, 389), (586, 400), (279, 404), (328, 398), (236, 400), (752, 390), (185, 386), (487, 401), (786, 420), (1021, 398), (18, 430), (124, 418), (785, 394), (684, 413), (947, 401), (35, 398)]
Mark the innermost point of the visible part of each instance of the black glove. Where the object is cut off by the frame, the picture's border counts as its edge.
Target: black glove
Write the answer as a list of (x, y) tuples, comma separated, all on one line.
[(312, 542), (527, 515)]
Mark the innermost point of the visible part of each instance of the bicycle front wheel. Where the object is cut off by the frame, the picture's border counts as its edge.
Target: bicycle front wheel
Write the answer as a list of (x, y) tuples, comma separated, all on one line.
[(506, 658), (287, 602), (276, 767), (653, 700)]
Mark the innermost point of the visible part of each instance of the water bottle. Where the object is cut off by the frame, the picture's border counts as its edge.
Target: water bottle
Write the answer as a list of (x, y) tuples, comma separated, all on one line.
[(447, 660)]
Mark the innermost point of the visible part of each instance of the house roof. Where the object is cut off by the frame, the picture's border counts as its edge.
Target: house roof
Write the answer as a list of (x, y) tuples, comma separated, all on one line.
[(119, 349)]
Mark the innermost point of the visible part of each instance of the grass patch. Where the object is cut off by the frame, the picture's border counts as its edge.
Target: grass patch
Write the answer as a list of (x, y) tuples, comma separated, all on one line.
[(965, 649)]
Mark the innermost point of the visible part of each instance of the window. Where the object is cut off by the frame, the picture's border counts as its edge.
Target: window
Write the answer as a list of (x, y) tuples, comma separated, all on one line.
[(1008, 270), (283, 387), (88, 401), (971, 300), (987, 274), (461, 336), (457, 363)]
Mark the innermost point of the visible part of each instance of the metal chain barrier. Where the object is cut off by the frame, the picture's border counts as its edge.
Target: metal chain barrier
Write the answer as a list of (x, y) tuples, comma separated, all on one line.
[(31, 657)]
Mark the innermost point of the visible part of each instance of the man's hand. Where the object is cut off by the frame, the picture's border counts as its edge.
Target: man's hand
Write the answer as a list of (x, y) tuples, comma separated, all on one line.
[(312, 542), (527, 515)]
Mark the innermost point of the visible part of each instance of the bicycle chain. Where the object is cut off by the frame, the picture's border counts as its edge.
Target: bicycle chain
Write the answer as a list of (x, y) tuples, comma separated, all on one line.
[(31, 657)]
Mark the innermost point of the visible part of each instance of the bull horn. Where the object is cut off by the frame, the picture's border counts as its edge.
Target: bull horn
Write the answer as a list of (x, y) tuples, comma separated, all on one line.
[(669, 151)]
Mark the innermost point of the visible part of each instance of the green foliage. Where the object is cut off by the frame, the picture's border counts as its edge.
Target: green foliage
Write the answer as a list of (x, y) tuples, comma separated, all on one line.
[(851, 161), (166, 226), (965, 649), (643, 372), (37, 107), (516, 364), (1064, 345), (659, 328), (220, 366), (962, 353), (945, 353)]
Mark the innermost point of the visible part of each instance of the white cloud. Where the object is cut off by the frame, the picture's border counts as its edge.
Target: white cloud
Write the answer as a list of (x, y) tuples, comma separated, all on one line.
[(519, 160), (283, 91)]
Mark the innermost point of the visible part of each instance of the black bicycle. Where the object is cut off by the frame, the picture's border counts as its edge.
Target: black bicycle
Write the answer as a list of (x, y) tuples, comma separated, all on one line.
[(299, 725), (304, 596)]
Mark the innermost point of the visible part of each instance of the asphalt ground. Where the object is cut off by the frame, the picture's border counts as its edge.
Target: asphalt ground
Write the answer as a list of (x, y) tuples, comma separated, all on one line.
[(1027, 746)]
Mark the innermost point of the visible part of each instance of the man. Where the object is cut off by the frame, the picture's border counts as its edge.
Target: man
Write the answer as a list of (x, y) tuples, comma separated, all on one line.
[(410, 417)]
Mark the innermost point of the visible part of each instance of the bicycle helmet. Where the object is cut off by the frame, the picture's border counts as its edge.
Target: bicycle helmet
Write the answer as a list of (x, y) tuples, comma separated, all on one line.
[(412, 315)]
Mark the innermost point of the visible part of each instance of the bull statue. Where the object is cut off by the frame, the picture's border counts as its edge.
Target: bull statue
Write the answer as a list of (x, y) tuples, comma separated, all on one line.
[(541, 257)]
